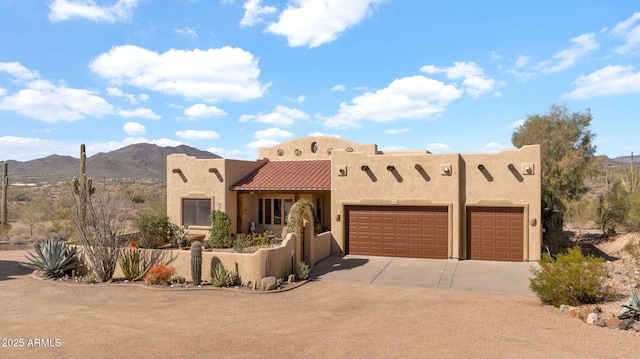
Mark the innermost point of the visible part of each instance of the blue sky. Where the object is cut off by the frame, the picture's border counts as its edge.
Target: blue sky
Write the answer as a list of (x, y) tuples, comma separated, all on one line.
[(230, 76)]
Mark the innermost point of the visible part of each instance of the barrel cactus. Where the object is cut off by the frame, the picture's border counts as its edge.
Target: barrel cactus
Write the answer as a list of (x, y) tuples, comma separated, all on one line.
[(196, 262)]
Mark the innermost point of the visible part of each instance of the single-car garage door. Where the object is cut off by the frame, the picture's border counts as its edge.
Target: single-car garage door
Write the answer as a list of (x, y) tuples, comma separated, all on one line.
[(495, 233), (418, 232)]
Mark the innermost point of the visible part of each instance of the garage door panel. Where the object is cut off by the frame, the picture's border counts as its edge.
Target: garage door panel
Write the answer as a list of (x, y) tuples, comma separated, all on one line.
[(495, 233), (398, 231)]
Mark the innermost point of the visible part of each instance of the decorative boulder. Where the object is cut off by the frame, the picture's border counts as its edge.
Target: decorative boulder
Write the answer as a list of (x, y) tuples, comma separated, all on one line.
[(268, 283)]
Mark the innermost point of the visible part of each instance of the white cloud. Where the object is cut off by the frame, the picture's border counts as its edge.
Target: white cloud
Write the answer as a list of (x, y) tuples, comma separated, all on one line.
[(29, 148), (628, 31), (44, 101), (272, 133), (134, 128), (18, 71), (3, 91), (261, 143), (316, 22), (139, 112), (211, 75), (522, 61), (339, 88), (608, 81), (187, 32), (394, 131), (198, 135), (254, 12), (495, 55), (415, 97), (475, 82), (201, 110), (394, 148), (436, 146), (227, 153), (516, 124), (494, 146), (114, 145), (583, 46), (61, 10), (301, 99), (323, 134), (282, 116), (116, 92)]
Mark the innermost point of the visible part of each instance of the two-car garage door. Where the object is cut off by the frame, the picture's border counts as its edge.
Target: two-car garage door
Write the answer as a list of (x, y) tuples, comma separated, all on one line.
[(493, 233), (418, 232)]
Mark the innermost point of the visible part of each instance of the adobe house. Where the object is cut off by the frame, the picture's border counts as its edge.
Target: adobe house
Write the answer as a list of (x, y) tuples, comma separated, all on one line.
[(369, 202)]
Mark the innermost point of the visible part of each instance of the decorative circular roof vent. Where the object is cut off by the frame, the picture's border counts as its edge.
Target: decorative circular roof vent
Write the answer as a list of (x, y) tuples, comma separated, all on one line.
[(280, 152), (297, 152), (349, 149), (329, 150)]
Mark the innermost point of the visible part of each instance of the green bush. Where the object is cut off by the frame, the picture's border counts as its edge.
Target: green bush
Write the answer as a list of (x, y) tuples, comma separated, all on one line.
[(571, 279), (219, 233), (154, 229)]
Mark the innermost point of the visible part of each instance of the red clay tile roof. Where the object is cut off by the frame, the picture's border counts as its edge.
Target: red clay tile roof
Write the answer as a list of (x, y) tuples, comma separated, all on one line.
[(288, 176)]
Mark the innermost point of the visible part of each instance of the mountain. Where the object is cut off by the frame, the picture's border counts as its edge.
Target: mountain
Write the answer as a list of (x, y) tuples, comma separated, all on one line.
[(142, 160)]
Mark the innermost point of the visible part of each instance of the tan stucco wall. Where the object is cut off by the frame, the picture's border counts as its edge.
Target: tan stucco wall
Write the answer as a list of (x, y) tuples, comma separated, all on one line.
[(196, 181), (465, 185), (265, 262), (287, 151)]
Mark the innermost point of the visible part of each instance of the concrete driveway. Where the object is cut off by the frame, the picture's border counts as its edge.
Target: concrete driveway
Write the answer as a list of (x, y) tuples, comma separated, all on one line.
[(443, 274)]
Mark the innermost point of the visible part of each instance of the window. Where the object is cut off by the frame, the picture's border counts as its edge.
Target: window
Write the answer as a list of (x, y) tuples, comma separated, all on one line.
[(274, 210), (195, 212)]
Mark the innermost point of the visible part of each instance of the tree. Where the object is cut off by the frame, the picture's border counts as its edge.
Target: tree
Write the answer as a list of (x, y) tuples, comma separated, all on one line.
[(567, 157), (34, 214)]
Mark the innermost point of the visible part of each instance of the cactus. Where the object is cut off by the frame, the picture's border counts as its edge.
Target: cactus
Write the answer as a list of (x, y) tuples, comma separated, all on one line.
[(5, 186), (83, 187), (631, 308), (196, 262), (630, 178)]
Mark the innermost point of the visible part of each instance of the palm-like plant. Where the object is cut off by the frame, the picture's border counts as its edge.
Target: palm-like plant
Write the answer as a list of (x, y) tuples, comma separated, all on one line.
[(54, 257)]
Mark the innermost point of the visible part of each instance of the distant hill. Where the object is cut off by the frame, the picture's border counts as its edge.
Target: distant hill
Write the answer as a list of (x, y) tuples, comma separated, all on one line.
[(142, 160)]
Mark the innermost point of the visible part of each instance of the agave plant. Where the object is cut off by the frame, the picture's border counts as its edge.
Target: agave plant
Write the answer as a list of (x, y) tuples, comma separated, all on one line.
[(54, 257), (631, 308)]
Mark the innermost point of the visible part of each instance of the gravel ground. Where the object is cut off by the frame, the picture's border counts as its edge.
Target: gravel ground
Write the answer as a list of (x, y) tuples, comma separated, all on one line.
[(316, 320)]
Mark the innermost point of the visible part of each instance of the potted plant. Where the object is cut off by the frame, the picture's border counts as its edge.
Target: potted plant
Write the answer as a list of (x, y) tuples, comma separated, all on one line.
[(181, 236)]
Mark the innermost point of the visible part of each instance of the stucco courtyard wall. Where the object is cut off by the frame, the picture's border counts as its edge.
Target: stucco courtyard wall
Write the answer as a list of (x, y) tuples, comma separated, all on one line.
[(274, 261)]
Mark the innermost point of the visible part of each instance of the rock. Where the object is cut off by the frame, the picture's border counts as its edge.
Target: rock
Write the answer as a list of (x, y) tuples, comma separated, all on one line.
[(573, 312), (636, 327), (268, 283), (583, 314), (292, 278), (279, 282), (626, 324), (600, 323), (592, 317), (613, 322), (564, 308)]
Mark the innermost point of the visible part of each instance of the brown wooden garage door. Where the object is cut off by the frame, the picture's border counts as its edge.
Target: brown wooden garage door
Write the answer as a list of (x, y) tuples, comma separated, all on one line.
[(495, 233), (419, 232)]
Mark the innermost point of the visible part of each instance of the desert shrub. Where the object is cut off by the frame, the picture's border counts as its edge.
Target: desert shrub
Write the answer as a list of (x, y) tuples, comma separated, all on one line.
[(18, 194), (253, 241), (571, 279), (135, 263), (632, 222), (219, 233), (221, 277), (612, 210), (154, 229), (302, 271), (160, 274), (55, 258)]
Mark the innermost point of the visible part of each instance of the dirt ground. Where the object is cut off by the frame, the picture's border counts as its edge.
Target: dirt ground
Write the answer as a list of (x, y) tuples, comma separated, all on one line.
[(316, 320)]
